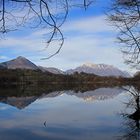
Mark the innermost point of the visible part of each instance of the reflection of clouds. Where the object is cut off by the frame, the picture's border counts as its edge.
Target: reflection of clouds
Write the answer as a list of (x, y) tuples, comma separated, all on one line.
[(40, 132), (52, 107), (23, 120), (37, 113), (67, 118), (19, 134), (4, 107)]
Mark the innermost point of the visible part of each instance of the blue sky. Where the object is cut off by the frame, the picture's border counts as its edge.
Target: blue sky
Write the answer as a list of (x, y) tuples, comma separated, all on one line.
[(88, 38)]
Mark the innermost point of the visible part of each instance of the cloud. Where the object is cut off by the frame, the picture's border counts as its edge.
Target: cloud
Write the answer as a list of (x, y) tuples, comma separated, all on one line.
[(89, 25), (78, 50), (94, 24), (88, 40), (2, 57)]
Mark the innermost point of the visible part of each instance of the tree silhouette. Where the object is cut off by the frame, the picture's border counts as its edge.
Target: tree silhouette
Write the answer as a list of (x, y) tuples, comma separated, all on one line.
[(47, 14), (125, 15)]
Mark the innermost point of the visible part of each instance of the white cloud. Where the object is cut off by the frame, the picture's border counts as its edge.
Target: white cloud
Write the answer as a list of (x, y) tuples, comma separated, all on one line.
[(91, 44), (78, 50), (88, 25), (2, 57), (94, 25)]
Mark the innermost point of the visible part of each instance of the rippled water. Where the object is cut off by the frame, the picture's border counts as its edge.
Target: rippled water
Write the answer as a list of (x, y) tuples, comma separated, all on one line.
[(67, 115)]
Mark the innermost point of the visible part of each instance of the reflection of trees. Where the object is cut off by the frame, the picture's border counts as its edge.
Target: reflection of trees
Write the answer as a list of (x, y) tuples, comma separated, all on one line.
[(134, 103), (132, 130), (132, 120)]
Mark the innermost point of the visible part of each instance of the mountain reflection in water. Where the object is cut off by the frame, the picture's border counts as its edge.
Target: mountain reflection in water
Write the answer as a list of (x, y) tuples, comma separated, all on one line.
[(69, 114), (97, 94)]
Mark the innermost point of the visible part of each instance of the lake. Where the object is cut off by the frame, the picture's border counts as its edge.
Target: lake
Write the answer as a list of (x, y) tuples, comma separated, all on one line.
[(100, 114)]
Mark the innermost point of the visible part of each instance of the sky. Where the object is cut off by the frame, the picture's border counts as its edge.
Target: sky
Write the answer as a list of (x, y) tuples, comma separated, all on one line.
[(89, 37)]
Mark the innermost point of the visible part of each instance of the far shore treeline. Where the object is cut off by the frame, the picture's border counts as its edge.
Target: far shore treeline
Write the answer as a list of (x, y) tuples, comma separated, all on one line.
[(37, 77)]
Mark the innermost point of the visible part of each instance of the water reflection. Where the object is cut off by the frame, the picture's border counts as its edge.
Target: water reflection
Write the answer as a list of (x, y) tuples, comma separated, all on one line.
[(19, 102), (22, 100), (87, 114), (132, 117)]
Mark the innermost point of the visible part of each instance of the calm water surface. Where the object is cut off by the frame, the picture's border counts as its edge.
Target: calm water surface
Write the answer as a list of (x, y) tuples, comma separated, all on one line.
[(66, 115)]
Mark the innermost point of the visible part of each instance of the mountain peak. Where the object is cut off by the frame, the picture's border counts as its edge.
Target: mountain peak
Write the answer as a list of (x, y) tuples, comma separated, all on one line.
[(92, 65), (88, 64), (19, 63), (99, 69), (20, 57), (51, 70)]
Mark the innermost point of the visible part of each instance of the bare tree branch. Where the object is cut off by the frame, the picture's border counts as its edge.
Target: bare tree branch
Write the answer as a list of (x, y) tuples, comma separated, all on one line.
[(125, 15), (49, 14)]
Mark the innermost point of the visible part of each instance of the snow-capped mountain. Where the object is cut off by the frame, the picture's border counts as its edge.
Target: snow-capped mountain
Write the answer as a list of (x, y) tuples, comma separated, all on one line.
[(97, 94), (19, 63), (99, 69), (51, 70)]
